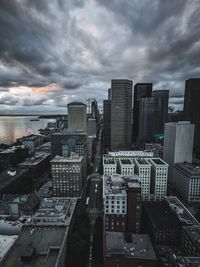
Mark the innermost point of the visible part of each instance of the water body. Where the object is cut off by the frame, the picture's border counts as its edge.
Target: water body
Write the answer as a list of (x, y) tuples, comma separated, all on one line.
[(14, 127)]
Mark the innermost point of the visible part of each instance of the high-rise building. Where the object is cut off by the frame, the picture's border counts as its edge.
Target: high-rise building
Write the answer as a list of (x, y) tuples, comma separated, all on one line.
[(66, 142), (178, 144), (77, 116), (67, 176), (192, 109), (140, 90), (122, 203), (121, 113), (164, 95), (187, 181), (106, 123), (150, 119)]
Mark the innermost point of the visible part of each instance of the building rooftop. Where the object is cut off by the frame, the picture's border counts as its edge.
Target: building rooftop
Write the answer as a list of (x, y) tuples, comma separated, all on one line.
[(140, 246), (11, 149), (158, 161), (54, 211), (160, 215), (186, 261), (31, 137), (131, 154), (72, 158), (118, 184), (109, 161), (76, 104), (190, 169), (38, 157), (7, 177), (193, 232), (181, 212), (46, 190), (142, 162), (126, 162), (37, 246), (6, 243)]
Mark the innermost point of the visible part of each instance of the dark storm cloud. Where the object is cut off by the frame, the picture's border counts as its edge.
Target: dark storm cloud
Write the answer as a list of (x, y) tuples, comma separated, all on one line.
[(71, 49)]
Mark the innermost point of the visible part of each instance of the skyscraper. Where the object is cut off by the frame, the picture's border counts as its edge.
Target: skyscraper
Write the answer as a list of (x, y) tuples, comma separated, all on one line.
[(192, 108), (121, 113), (178, 144), (150, 119), (140, 90), (106, 123), (164, 95), (77, 116)]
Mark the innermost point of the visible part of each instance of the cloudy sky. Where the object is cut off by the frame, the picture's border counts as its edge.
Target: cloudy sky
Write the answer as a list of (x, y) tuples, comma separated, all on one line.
[(56, 51)]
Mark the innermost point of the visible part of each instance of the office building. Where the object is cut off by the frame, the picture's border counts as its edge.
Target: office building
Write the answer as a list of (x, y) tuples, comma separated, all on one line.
[(65, 142), (133, 250), (192, 109), (54, 211), (178, 144), (143, 170), (159, 176), (164, 221), (152, 171), (121, 114), (164, 95), (91, 126), (160, 223), (107, 123), (187, 181), (44, 241), (77, 116), (150, 119), (126, 167), (122, 203), (67, 176), (11, 156), (39, 166), (191, 240), (141, 90), (31, 141)]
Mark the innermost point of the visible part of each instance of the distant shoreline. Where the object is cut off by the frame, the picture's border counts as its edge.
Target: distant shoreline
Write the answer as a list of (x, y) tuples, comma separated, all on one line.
[(35, 115)]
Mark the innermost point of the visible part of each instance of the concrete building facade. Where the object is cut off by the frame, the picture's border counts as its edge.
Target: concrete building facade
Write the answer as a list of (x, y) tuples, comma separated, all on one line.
[(178, 144), (77, 116)]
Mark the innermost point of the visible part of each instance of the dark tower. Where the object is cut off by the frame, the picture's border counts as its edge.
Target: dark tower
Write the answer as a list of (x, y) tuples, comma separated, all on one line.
[(192, 109), (150, 119), (121, 114), (164, 95), (140, 90)]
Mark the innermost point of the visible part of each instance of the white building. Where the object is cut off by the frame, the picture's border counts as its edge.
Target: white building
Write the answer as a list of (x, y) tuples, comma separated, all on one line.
[(122, 203), (158, 178), (152, 172), (178, 144), (126, 166), (187, 181), (143, 170)]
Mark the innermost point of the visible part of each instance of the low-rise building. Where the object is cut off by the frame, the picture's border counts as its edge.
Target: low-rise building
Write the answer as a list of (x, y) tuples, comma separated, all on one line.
[(131, 251), (54, 211), (11, 156), (6, 242), (31, 141)]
